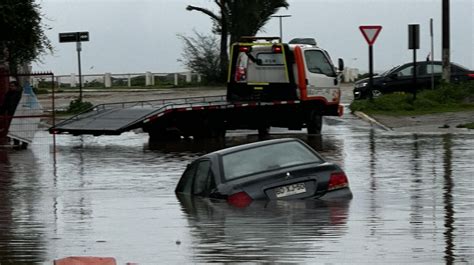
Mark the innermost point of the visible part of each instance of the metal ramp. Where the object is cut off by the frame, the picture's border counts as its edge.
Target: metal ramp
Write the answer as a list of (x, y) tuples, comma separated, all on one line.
[(116, 118)]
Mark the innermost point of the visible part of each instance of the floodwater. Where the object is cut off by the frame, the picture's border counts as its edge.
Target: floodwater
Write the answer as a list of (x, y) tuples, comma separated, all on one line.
[(114, 196)]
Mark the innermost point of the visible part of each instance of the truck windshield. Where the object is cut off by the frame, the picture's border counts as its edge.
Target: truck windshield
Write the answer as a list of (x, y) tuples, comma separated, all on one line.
[(267, 158)]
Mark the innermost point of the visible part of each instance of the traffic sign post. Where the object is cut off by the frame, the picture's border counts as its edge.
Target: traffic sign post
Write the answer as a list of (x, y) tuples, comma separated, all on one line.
[(370, 34), (414, 44), (76, 37)]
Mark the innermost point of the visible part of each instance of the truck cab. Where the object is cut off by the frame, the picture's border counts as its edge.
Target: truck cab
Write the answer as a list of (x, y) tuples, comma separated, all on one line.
[(264, 69)]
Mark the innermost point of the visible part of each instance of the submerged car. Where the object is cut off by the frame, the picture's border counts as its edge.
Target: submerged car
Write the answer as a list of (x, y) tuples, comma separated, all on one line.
[(400, 78), (268, 170)]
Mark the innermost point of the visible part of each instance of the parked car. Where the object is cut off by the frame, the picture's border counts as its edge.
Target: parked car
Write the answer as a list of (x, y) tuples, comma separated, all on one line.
[(400, 78), (268, 170)]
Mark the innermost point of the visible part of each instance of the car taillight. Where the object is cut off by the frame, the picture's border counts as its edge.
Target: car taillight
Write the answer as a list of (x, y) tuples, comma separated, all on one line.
[(240, 199), (240, 74), (245, 49), (471, 76), (276, 49), (338, 180)]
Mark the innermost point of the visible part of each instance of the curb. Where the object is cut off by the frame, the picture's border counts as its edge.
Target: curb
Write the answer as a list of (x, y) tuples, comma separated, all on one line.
[(371, 120)]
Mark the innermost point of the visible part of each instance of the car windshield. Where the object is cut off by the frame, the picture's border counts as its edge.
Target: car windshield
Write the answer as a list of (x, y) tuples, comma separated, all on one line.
[(265, 158), (389, 71)]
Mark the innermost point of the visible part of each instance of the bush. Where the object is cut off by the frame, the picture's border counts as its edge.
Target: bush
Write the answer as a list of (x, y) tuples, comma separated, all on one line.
[(39, 91), (77, 106), (447, 97)]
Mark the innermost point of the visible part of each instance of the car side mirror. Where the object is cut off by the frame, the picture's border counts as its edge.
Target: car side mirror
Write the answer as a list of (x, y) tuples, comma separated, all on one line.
[(340, 63)]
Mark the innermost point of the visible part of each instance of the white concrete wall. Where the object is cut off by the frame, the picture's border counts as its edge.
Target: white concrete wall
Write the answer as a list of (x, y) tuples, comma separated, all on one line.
[(106, 78)]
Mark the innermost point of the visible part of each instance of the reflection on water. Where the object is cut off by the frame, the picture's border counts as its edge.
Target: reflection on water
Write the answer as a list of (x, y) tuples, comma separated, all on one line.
[(448, 201), (279, 231), (114, 196), (21, 230)]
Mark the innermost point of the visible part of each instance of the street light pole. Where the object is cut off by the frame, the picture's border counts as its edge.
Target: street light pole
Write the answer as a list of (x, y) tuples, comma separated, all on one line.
[(79, 49), (281, 26)]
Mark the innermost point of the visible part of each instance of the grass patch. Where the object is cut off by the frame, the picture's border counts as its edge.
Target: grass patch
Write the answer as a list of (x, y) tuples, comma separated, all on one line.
[(445, 98), (467, 126)]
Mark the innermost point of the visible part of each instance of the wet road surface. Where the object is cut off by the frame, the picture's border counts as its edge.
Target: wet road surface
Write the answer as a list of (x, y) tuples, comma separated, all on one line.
[(114, 196)]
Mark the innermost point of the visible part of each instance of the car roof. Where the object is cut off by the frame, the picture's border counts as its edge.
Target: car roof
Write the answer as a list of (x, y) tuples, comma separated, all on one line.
[(252, 145), (435, 62)]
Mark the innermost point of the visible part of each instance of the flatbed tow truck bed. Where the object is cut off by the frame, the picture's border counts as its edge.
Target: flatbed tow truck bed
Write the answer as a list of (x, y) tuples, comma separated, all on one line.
[(116, 118), (193, 116)]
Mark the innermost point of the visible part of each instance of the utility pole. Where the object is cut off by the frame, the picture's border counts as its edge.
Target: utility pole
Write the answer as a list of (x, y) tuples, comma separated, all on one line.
[(432, 53), (79, 49), (445, 42), (281, 27)]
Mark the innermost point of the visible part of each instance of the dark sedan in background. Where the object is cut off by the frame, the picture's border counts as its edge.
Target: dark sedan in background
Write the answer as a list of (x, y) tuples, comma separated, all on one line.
[(400, 78), (268, 170)]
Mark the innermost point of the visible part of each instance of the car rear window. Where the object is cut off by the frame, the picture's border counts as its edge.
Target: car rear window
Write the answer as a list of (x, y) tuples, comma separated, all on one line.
[(267, 158), (261, 65)]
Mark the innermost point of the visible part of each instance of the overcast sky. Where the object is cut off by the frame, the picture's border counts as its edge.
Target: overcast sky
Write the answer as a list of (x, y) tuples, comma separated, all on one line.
[(132, 36)]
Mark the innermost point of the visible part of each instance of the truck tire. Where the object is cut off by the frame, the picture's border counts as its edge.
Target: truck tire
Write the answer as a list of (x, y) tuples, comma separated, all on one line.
[(263, 131), (315, 124)]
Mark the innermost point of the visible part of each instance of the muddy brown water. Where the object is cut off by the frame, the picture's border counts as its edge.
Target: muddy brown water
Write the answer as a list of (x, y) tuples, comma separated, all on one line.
[(114, 196)]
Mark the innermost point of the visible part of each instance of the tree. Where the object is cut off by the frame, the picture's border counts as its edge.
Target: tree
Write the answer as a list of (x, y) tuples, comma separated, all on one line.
[(239, 18), (247, 17), (201, 56), (22, 37), (220, 26)]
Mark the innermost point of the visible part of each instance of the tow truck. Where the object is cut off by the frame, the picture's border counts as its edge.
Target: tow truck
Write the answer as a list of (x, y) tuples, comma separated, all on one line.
[(269, 84)]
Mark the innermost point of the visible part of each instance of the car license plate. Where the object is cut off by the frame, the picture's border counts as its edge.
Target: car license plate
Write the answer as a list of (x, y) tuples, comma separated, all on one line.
[(288, 190)]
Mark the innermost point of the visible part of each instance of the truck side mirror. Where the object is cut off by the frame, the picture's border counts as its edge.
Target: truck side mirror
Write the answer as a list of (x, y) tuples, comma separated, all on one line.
[(340, 63)]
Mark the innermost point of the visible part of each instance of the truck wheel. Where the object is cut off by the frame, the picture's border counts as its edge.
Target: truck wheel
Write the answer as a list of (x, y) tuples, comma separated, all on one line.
[(315, 124), (263, 131), (161, 134), (218, 132)]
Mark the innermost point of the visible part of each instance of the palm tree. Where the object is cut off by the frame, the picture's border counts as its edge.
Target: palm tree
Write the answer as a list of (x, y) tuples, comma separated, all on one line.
[(247, 17), (220, 26), (239, 18)]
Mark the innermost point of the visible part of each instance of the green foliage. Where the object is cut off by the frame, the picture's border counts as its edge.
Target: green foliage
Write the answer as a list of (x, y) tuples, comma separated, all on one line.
[(22, 32), (77, 106), (93, 83), (450, 93), (467, 126), (247, 17), (39, 91), (447, 97)]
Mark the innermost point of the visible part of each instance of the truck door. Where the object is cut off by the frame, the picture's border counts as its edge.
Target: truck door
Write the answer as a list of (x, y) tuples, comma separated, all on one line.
[(321, 76)]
